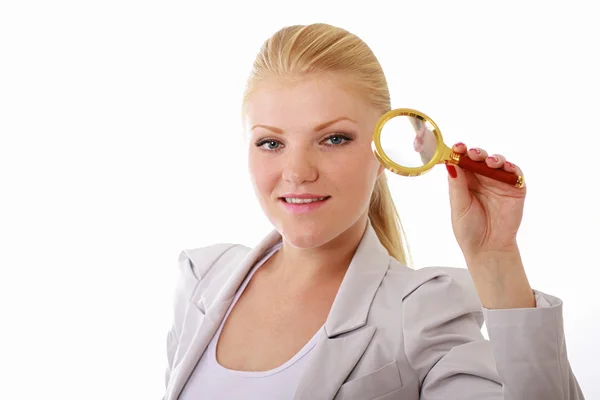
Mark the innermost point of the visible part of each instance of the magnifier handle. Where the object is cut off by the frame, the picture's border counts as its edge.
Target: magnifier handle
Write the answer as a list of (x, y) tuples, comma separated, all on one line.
[(481, 168)]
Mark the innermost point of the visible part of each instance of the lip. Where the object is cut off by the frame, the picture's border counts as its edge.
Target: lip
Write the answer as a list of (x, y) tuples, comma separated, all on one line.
[(303, 208), (303, 195)]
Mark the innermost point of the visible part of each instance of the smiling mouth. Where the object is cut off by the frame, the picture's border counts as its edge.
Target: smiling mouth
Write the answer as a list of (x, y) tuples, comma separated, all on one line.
[(293, 200)]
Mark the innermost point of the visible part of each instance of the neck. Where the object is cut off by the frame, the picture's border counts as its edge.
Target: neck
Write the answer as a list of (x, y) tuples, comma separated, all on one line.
[(299, 268)]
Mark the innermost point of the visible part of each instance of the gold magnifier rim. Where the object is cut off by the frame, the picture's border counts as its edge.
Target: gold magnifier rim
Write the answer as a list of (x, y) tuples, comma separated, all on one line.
[(440, 148)]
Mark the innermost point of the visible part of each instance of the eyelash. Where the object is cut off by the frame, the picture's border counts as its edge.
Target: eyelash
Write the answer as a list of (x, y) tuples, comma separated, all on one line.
[(345, 137)]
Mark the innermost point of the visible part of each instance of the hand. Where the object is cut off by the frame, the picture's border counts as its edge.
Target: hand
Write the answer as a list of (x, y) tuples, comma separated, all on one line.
[(486, 214)]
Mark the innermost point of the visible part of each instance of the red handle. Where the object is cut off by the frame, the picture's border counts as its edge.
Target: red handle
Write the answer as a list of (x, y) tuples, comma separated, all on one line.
[(481, 168)]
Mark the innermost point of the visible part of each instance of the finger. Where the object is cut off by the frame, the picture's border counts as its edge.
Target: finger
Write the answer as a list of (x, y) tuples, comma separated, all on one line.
[(495, 161), (460, 148), (510, 167), (477, 154), (460, 198)]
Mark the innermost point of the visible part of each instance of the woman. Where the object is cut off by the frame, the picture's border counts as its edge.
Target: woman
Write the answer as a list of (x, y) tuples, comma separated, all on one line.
[(324, 307)]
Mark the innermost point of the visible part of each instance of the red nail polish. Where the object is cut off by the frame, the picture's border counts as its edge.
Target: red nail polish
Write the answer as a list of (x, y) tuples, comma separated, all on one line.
[(451, 170), (510, 164), (494, 159), (476, 151), (459, 144)]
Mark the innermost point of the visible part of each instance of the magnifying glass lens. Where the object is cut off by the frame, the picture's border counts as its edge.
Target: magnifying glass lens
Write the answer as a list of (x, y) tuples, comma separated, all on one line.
[(408, 141)]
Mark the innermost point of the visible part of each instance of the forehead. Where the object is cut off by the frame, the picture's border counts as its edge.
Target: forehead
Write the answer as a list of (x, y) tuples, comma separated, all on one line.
[(304, 102)]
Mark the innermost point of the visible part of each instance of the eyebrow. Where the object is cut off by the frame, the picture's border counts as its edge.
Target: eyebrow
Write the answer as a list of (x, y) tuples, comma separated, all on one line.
[(317, 128)]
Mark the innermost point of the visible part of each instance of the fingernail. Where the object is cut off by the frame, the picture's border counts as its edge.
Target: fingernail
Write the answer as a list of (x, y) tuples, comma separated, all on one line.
[(451, 170), (459, 144), (476, 150), (494, 159), (510, 164)]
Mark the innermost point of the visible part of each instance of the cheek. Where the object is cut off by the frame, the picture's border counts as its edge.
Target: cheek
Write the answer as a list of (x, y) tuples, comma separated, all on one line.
[(357, 176), (263, 175)]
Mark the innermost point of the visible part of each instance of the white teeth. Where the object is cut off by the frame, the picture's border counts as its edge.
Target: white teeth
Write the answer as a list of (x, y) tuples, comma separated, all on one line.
[(302, 201)]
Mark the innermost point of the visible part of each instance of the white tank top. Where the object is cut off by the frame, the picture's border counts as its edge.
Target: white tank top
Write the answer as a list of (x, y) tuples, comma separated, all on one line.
[(210, 380)]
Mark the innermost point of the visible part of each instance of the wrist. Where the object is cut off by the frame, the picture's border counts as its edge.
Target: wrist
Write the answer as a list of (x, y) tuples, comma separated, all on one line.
[(500, 279)]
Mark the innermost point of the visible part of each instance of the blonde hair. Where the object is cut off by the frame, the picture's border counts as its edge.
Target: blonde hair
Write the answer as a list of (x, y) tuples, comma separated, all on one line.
[(298, 50)]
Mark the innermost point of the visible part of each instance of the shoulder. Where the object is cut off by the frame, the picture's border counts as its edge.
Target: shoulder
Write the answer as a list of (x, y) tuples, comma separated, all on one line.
[(197, 264), (440, 320), (440, 291)]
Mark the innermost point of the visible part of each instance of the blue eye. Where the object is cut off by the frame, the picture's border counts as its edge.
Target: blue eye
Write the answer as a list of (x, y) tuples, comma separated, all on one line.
[(269, 144), (337, 140)]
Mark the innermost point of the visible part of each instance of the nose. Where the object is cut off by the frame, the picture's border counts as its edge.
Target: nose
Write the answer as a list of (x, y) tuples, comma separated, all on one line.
[(300, 167)]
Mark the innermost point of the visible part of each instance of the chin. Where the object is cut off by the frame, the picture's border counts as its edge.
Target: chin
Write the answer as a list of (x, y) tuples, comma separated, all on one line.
[(313, 233), (309, 234), (304, 240)]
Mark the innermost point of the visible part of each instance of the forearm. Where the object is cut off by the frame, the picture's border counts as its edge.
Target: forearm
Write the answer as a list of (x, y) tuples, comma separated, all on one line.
[(500, 280)]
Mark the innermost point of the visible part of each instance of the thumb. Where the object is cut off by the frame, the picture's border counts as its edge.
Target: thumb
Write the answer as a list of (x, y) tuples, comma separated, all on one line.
[(460, 196)]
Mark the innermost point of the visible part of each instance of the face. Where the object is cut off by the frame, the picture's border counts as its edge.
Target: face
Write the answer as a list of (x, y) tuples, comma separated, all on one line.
[(310, 157)]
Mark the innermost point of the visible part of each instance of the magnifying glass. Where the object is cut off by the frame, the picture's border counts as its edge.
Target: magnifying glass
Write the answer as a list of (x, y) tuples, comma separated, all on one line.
[(409, 143)]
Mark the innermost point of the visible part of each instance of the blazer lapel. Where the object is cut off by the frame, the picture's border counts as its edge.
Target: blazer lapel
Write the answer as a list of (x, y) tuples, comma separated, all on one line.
[(347, 334), (332, 360), (211, 309)]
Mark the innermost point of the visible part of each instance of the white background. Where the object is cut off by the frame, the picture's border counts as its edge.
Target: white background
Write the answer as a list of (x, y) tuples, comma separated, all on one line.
[(121, 145)]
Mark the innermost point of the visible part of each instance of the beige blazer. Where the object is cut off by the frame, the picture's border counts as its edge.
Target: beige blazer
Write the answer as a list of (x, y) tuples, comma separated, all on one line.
[(392, 332)]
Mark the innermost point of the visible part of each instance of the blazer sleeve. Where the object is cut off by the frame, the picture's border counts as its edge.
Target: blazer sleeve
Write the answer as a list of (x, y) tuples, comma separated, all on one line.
[(193, 265), (525, 357), (538, 350)]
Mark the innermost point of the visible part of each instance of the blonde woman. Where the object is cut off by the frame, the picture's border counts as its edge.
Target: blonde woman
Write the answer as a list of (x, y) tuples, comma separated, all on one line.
[(325, 306)]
